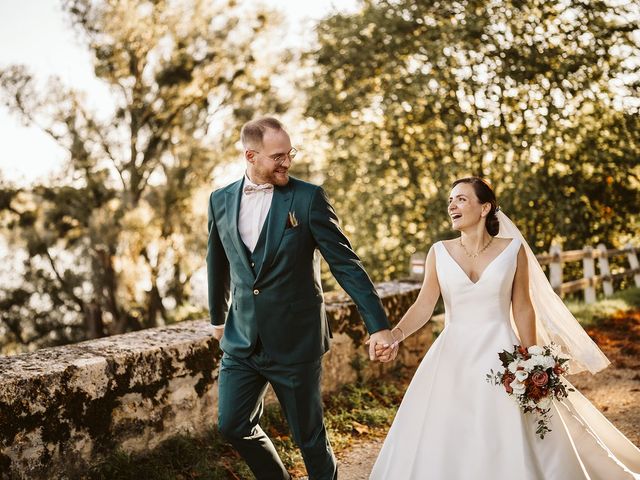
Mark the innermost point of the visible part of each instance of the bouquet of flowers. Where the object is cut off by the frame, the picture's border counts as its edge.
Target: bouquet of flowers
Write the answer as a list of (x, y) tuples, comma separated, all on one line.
[(533, 377)]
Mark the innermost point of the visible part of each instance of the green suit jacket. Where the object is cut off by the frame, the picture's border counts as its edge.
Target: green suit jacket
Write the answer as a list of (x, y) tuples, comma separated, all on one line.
[(279, 299)]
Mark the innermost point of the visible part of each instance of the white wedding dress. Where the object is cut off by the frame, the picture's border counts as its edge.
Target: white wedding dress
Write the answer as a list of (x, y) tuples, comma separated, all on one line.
[(453, 425)]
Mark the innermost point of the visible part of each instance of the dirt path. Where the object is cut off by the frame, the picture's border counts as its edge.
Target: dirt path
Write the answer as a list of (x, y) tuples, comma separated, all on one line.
[(358, 461), (615, 391)]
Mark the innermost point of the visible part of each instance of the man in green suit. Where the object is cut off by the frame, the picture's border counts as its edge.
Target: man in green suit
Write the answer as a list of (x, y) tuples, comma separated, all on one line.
[(265, 232)]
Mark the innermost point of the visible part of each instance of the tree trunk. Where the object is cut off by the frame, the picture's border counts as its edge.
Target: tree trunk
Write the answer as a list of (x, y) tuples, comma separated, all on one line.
[(93, 323)]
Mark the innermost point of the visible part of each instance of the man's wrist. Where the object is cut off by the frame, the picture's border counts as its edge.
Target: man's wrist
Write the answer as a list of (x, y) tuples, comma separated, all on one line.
[(382, 330)]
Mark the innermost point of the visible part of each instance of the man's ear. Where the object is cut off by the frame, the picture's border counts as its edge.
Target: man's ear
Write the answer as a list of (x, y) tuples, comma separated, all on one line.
[(250, 156)]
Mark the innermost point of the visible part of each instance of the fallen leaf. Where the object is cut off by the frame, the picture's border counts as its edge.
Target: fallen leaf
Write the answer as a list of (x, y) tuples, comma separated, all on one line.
[(360, 428)]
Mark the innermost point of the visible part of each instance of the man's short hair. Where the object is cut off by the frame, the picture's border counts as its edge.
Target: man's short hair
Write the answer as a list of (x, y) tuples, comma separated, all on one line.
[(252, 132)]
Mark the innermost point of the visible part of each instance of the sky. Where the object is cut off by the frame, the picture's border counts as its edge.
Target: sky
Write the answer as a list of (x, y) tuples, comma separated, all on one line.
[(36, 33)]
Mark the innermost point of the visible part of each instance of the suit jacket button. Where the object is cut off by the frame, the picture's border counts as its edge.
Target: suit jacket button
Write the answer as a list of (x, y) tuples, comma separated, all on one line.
[(256, 291), (253, 264)]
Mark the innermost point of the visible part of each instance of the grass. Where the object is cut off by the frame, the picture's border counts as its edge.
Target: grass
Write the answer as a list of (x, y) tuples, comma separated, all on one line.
[(180, 458), (359, 410), (591, 315)]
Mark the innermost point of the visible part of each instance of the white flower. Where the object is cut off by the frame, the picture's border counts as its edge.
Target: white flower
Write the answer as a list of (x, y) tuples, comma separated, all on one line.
[(518, 387), (548, 362), (529, 365), (537, 359), (513, 366), (535, 350), (521, 375), (541, 361)]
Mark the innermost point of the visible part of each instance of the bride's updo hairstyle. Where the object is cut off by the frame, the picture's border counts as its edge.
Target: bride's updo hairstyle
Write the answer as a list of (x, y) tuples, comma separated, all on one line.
[(485, 194)]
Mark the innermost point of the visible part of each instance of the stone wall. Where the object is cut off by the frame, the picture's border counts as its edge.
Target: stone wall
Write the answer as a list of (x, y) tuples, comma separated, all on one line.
[(63, 409)]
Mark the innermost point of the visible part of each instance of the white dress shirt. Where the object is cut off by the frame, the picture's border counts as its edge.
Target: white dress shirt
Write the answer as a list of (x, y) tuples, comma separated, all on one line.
[(254, 209)]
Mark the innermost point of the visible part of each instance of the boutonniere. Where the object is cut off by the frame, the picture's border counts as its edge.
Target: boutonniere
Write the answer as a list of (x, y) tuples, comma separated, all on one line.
[(292, 221)]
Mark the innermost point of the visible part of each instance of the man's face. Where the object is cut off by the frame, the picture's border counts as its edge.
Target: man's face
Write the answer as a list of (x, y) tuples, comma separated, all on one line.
[(263, 168)]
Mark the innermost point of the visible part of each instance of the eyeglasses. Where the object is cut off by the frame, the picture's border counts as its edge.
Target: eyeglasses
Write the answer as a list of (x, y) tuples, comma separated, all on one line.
[(279, 158)]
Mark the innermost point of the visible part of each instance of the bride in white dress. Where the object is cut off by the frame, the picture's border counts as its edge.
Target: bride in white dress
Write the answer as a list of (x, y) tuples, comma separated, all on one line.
[(452, 424)]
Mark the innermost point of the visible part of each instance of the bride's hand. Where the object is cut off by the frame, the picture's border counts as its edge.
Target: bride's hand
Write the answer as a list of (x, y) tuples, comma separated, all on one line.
[(389, 352), (386, 354)]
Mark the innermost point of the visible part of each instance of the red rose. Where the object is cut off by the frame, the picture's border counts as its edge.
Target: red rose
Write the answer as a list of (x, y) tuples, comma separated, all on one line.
[(539, 379), (507, 378), (558, 370), (524, 352), (535, 393)]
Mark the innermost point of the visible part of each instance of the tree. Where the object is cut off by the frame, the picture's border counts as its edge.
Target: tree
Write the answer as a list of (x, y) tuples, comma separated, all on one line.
[(113, 242), (415, 94)]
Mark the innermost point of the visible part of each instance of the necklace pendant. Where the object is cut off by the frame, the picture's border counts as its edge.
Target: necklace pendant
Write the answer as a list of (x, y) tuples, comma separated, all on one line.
[(474, 255)]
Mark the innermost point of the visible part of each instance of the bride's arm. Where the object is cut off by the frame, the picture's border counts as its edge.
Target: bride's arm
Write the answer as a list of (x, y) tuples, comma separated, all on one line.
[(420, 312), (524, 315)]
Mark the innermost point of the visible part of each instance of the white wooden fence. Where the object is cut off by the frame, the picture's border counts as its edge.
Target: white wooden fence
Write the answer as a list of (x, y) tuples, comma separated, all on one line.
[(556, 259)]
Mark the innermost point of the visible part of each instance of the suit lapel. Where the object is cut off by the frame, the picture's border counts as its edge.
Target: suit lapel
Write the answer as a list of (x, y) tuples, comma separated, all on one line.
[(233, 207), (276, 223)]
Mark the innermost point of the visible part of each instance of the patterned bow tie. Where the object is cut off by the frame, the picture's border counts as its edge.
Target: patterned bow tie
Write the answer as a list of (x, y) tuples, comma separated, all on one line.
[(265, 188)]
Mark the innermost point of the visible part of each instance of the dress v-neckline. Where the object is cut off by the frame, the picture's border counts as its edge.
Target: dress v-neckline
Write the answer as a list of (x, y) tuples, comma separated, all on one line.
[(485, 268)]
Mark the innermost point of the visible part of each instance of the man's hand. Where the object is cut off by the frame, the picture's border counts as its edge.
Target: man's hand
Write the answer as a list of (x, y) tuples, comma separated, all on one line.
[(384, 339), (218, 332), (386, 354)]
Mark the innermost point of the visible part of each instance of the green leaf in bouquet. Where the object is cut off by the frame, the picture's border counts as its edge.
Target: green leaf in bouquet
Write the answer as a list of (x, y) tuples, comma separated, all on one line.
[(506, 358)]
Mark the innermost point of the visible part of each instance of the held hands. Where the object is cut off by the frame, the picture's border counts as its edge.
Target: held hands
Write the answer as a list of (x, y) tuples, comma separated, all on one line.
[(383, 346)]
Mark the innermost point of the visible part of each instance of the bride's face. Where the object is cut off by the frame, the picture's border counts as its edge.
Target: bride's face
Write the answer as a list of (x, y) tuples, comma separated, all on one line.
[(465, 210)]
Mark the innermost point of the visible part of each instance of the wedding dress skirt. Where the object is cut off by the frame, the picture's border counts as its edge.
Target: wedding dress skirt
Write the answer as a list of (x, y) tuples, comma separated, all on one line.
[(453, 425)]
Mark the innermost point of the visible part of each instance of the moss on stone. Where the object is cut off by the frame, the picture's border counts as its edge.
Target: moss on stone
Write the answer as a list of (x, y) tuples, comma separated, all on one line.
[(45, 396)]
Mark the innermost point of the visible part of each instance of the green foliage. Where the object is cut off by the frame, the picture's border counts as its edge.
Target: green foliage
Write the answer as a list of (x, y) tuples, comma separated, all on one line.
[(353, 411), (181, 457), (622, 301), (113, 242), (363, 404), (413, 95)]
